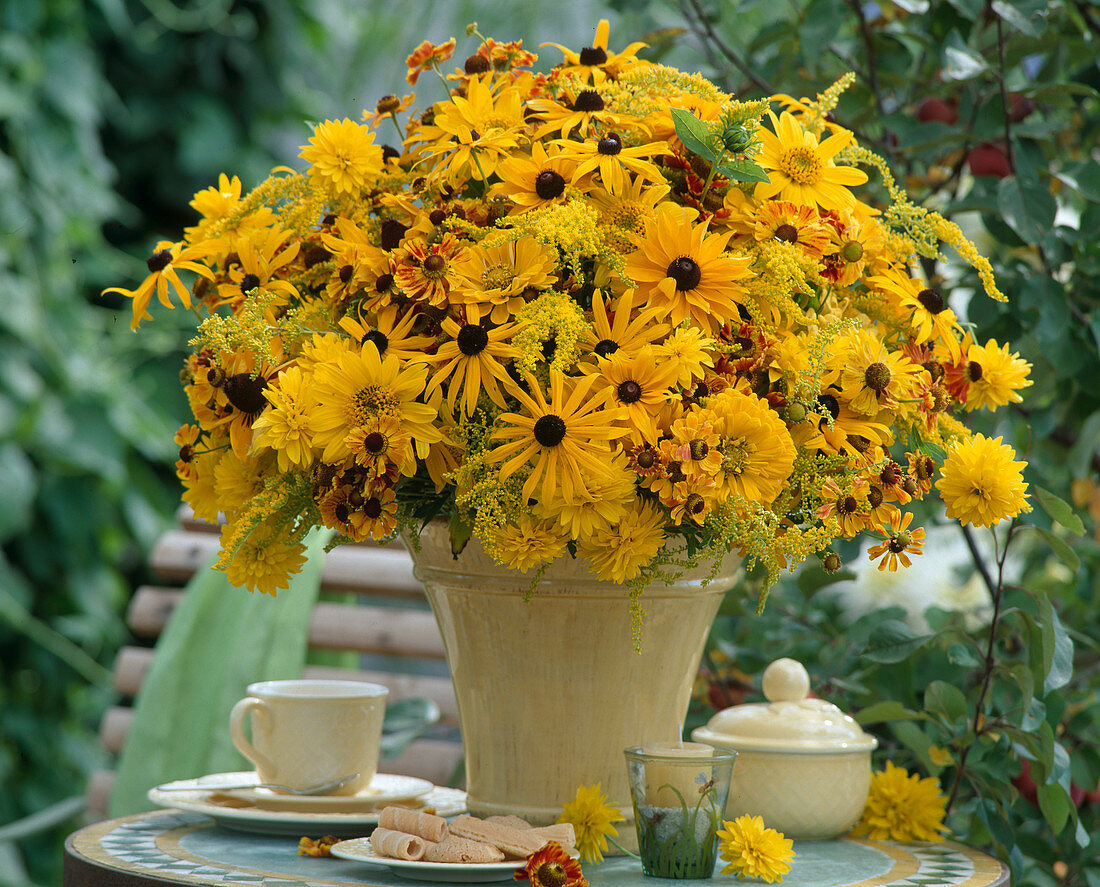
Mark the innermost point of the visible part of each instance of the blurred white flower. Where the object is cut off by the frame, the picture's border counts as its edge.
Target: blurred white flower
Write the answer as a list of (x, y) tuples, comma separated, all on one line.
[(944, 577)]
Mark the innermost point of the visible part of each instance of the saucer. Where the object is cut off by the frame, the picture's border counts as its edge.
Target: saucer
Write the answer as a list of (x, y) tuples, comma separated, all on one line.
[(384, 788), (360, 850)]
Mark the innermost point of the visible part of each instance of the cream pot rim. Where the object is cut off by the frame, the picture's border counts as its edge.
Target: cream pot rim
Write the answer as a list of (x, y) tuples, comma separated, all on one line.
[(784, 746)]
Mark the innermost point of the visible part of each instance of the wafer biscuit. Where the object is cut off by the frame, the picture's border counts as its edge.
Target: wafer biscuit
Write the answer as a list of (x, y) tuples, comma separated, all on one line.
[(511, 820), (397, 845), (515, 842), (456, 849), (412, 822), (562, 832)]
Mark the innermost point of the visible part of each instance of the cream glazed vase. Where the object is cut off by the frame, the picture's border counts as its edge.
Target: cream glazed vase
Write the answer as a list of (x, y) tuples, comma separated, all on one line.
[(550, 690)]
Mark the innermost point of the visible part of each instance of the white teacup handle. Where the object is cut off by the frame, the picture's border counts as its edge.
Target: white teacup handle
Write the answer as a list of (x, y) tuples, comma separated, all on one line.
[(237, 718)]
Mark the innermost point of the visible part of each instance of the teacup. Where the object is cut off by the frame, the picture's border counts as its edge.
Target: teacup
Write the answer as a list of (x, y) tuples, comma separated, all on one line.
[(311, 731)]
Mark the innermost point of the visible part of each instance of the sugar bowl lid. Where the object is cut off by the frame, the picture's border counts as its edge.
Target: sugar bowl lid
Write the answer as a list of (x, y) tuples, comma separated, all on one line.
[(788, 722)]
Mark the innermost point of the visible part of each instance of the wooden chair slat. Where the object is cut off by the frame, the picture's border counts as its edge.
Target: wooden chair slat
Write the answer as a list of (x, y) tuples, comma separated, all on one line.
[(432, 759), (179, 554)]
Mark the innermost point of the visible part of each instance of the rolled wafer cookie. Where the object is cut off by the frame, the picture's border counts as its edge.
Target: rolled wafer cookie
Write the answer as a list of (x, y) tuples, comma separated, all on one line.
[(512, 820), (456, 849), (413, 822), (514, 842), (397, 845)]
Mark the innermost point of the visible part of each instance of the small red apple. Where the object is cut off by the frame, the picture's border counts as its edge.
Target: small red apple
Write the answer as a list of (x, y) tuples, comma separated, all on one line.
[(1026, 785), (988, 160), (1020, 107), (938, 110)]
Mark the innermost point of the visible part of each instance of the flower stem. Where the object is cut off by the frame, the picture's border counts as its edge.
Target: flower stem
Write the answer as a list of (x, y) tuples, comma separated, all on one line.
[(630, 853)]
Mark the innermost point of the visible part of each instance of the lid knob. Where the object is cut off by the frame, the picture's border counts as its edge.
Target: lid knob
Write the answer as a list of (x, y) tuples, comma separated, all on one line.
[(786, 680)]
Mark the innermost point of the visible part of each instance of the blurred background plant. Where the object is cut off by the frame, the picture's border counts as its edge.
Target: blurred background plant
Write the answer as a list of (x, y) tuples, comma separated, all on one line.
[(114, 112)]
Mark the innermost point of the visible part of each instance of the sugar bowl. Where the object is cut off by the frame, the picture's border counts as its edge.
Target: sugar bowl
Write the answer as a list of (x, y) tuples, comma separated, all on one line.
[(803, 765)]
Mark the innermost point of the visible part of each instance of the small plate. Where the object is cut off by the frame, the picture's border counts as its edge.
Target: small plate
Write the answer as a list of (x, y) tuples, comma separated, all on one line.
[(384, 788), (233, 812), (360, 850)]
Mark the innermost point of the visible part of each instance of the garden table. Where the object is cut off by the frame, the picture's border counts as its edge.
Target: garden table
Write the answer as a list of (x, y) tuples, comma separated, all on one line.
[(174, 847)]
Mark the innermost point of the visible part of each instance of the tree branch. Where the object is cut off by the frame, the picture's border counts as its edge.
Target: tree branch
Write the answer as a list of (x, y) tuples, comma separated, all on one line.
[(708, 33)]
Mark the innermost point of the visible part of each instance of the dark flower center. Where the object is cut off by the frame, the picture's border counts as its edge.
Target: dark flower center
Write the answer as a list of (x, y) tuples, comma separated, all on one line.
[(589, 100), (646, 459), (380, 339), (686, 272), (610, 144), (593, 55), (391, 233), (434, 264), (629, 391), (476, 64), (158, 261), (877, 376), (831, 563), (388, 104), (549, 184), (698, 449), (383, 283), (605, 348), (935, 369), (830, 403), (187, 453), (375, 442), (551, 874), (341, 512), (874, 497), (246, 393), (974, 370), (372, 508), (852, 251), (931, 300), (849, 505), (248, 283), (695, 504), (345, 273), (900, 541), (472, 339), (787, 233), (549, 430), (890, 475), (315, 255)]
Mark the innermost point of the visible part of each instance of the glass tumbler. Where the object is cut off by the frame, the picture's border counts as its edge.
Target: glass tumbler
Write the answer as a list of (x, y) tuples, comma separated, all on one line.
[(679, 792)]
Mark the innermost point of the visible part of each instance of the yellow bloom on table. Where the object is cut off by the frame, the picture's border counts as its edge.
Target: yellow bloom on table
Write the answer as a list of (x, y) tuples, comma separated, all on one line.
[(618, 551), (801, 168), (753, 851), (900, 541), (342, 154), (529, 542), (164, 265), (592, 817), (566, 437), (286, 426), (981, 483), (902, 807), (685, 270), (996, 376)]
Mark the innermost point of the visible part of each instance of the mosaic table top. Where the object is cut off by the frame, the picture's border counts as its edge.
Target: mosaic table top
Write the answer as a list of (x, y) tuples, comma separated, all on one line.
[(187, 848)]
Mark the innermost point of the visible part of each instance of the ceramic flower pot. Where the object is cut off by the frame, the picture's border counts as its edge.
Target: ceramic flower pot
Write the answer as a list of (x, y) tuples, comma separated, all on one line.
[(550, 690)]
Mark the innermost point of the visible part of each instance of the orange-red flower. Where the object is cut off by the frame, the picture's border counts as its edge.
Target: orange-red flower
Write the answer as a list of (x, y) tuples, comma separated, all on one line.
[(426, 56), (551, 866)]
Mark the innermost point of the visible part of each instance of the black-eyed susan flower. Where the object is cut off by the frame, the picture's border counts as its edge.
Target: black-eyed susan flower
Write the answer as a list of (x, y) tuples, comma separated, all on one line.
[(164, 265), (753, 851), (573, 109), (596, 62), (639, 385), (534, 180), (685, 270), (551, 866), (613, 160), (622, 328), (343, 155), (981, 483), (802, 169), (902, 806), (391, 332), (926, 309), (900, 542), (873, 378), (563, 440), (472, 359), (262, 260), (592, 818)]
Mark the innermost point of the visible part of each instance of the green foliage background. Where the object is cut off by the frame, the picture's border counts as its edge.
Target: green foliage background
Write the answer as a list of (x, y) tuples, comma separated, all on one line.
[(114, 112)]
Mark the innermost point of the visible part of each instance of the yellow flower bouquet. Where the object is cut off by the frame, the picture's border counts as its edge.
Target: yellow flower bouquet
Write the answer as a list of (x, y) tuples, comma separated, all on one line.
[(607, 310)]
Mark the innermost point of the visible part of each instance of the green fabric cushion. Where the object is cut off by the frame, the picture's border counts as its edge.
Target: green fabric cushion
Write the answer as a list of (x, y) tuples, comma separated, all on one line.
[(219, 640)]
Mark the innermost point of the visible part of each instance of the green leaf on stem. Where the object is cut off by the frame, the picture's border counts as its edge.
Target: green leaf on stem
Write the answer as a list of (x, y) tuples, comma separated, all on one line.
[(1059, 510), (945, 699), (1055, 805), (1057, 647), (694, 134), (1061, 548), (893, 641), (887, 710), (960, 62), (742, 171)]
